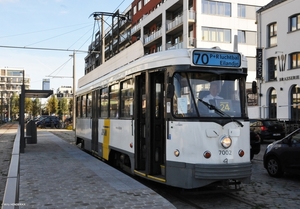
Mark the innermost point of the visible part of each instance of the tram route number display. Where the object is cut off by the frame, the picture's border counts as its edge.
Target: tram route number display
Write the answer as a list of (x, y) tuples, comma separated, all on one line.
[(221, 59), (224, 105)]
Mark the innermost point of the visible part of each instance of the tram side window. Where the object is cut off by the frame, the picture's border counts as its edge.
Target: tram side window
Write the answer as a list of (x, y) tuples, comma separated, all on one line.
[(89, 105), (114, 101), (158, 91), (78, 112), (83, 102), (104, 103), (98, 103), (127, 98)]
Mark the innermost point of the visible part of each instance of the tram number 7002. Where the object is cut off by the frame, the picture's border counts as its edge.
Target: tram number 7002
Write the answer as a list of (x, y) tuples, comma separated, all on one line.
[(224, 152)]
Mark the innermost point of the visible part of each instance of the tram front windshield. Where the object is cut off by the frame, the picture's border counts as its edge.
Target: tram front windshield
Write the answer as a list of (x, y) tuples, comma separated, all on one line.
[(208, 95)]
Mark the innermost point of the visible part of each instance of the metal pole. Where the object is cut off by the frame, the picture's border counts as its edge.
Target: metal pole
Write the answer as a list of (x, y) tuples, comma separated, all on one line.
[(102, 41), (21, 116), (74, 88)]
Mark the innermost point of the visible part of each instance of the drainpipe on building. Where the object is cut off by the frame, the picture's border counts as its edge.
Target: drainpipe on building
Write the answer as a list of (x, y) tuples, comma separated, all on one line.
[(260, 79)]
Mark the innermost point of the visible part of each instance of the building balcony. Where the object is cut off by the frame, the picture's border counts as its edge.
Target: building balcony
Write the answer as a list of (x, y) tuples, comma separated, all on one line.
[(192, 16), (174, 46), (152, 37), (135, 28), (175, 23), (192, 42)]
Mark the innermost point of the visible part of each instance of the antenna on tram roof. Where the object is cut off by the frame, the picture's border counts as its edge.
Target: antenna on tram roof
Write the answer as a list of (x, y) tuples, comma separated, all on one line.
[(235, 43)]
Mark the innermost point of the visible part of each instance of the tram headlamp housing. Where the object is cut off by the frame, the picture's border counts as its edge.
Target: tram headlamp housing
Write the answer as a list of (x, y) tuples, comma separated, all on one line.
[(176, 153), (226, 142)]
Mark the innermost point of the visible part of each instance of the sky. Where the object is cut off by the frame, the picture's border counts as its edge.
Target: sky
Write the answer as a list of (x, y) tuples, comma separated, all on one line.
[(50, 24)]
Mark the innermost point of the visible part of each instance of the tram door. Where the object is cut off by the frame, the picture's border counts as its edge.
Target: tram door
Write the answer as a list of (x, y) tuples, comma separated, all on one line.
[(95, 96), (150, 123)]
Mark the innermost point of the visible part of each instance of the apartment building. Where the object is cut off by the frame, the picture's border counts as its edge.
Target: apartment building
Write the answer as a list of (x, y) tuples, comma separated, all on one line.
[(278, 72), (11, 80), (65, 91), (171, 24)]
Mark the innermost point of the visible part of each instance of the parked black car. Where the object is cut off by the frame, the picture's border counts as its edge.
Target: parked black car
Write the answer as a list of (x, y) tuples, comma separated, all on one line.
[(283, 155), (48, 121), (267, 128), (254, 144)]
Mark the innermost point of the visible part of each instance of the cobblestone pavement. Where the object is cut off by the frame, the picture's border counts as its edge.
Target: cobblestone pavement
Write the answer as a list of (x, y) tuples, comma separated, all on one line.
[(56, 174), (268, 192), (263, 191), (7, 135)]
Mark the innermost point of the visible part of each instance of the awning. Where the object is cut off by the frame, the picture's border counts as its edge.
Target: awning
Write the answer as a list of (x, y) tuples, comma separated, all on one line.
[(38, 93)]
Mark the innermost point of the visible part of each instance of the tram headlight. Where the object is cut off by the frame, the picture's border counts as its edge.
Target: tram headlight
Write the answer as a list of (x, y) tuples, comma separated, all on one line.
[(226, 142), (176, 153)]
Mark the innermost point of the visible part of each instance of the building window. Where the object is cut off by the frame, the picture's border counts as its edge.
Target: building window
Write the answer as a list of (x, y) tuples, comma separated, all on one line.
[(146, 1), (247, 37), (295, 60), (242, 36), (295, 102), (273, 104), (247, 11), (216, 8), (139, 5), (272, 69), (134, 10), (272, 34), (216, 34), (295, 22), (252, 99)]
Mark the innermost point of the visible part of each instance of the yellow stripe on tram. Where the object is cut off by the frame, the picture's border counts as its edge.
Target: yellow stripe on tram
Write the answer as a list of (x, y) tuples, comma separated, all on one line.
[(156, 178), (105, 145)]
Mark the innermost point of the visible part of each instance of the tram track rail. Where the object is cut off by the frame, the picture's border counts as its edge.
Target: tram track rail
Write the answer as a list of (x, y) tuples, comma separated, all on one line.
[(204, 199)]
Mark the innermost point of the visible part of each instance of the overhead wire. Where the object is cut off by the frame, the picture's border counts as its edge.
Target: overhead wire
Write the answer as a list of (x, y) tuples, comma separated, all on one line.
[(78, 50), (39, 31), (57, 36), (60, 67)]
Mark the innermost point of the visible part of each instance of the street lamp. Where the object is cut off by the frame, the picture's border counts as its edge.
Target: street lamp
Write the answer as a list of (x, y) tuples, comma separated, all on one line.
[(74, 87)]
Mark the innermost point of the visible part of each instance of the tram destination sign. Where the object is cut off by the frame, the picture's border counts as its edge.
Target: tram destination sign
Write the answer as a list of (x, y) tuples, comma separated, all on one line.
[(213, 58)]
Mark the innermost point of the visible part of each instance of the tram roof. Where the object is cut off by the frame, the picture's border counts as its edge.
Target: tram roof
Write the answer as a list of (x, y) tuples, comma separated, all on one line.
[(103, 74)]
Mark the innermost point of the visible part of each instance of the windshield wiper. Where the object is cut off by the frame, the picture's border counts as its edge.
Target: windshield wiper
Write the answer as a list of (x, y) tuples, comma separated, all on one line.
[(220, 112)]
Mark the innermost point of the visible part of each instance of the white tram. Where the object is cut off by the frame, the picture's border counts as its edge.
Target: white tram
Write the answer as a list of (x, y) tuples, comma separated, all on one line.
[(150, 117)]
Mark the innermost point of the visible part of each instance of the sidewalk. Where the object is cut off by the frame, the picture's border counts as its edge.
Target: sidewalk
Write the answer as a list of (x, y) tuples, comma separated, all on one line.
[(56, 174), (7, 136)]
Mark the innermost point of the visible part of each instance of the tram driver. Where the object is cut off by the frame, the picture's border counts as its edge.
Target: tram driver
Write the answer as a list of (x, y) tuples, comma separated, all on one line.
[(214, 91), (211, 98)]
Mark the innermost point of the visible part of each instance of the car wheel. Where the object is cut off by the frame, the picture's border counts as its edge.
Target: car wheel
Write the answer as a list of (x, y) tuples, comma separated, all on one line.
[(273, 167)]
